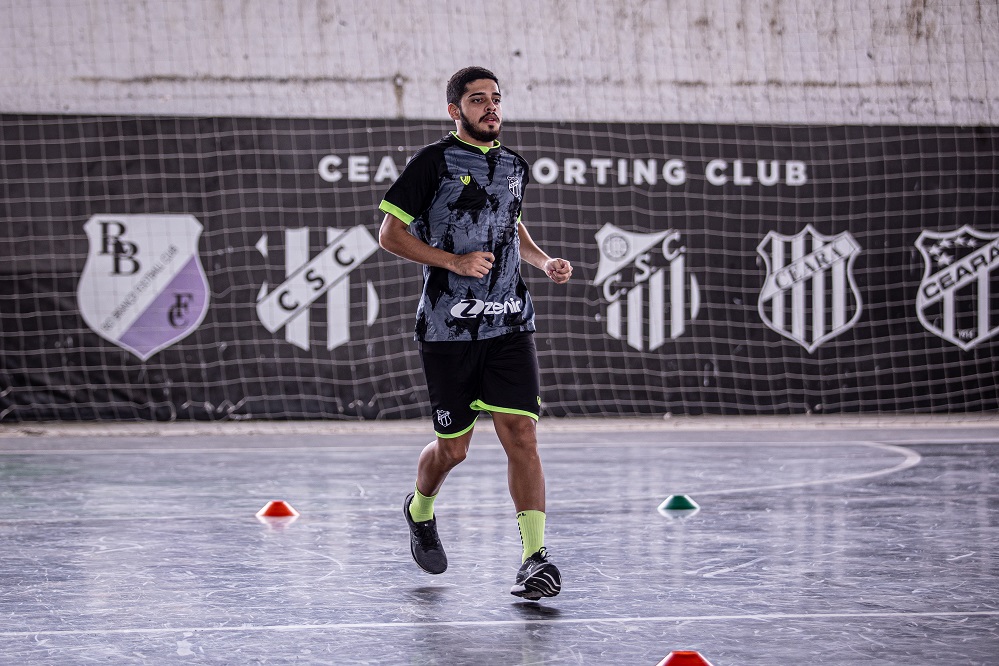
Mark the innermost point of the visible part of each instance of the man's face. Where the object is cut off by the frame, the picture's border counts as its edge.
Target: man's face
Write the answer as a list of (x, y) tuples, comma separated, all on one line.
[(480, 113)]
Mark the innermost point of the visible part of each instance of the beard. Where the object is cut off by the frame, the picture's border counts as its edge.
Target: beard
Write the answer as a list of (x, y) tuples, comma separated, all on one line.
[(476, 133)]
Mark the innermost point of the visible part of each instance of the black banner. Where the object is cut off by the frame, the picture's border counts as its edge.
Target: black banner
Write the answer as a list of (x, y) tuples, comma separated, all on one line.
[(227, 268)]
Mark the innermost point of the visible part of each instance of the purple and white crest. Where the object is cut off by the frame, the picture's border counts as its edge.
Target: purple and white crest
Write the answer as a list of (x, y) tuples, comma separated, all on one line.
[(143, 287)]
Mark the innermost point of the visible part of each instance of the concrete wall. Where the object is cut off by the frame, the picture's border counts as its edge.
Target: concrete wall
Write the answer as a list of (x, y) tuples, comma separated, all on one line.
[(725, 61)]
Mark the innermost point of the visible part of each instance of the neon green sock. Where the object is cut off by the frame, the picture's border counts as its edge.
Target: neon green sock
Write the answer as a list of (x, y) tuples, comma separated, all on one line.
[(532, 531), (421, 508)]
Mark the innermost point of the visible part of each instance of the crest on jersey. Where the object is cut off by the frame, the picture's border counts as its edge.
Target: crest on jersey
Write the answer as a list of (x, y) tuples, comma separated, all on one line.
[(514, 182), (957, 297), (143, 287), (809, 294), (465, 180)]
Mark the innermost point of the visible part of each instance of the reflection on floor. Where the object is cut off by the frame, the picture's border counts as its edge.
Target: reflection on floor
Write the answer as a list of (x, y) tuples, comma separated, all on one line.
[(830, 546)]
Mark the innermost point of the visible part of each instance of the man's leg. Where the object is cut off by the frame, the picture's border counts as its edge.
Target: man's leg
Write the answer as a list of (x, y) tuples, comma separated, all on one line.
[(452, 376), (526, 478), (438, 458), (537, 577)]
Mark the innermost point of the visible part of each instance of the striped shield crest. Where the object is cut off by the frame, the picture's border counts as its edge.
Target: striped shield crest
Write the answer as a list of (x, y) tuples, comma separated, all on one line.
[(646, 286), (957, 297), (809, 294)]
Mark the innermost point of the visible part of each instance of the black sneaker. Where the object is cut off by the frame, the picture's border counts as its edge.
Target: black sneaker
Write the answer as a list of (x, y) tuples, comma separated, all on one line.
[(537, 578), (424, 543)]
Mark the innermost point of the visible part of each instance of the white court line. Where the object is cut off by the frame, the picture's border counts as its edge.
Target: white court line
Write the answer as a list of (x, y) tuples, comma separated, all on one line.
[(336, 626), (242, 428), (492, 445), (910, 459)]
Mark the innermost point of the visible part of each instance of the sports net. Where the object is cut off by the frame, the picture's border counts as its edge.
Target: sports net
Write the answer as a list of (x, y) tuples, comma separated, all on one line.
[(176, 266)]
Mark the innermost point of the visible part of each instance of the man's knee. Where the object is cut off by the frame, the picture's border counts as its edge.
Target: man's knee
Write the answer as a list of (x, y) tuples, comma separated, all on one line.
[(453, 450), (517, 433)]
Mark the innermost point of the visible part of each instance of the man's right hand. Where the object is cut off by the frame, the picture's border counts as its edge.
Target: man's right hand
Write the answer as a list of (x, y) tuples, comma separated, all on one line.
[(473, 264), (395, 237)]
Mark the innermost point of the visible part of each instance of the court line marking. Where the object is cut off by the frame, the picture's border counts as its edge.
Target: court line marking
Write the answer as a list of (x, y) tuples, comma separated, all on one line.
[(500, 623), (491, 445), (660, 423), (910, 459)]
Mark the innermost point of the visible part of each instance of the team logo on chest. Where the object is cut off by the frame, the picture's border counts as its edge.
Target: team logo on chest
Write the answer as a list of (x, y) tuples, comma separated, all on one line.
[(809, 294), (956, 298), (143, 287), (514, 183)]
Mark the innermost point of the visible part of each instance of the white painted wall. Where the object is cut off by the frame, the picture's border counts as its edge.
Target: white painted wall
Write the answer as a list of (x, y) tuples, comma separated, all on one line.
[(782, 61)]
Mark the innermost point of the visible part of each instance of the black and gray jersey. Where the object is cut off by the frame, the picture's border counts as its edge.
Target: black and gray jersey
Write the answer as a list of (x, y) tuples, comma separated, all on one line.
[(463, 198)]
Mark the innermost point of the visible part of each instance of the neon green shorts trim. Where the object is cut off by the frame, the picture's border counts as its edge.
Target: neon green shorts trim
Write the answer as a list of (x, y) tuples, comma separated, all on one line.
[(464, 379)]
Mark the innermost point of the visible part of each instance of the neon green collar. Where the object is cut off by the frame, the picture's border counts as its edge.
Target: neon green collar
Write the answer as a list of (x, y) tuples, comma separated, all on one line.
[(484, 149)]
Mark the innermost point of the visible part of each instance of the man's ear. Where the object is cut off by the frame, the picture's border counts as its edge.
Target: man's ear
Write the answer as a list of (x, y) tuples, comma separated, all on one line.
[(454, 112)]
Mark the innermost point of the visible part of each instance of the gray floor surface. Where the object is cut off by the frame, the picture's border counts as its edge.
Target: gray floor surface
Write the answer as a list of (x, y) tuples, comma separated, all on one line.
[(828, 546)]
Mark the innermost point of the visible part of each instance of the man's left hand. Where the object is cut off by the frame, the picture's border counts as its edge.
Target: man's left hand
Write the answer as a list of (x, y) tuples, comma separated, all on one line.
[(559, 270)]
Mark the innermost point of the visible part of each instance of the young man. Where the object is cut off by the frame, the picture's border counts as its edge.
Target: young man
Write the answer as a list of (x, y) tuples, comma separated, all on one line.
[(456, 210)]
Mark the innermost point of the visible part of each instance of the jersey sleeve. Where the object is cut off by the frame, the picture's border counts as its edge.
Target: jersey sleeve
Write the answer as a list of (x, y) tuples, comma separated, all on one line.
[(413, 192)]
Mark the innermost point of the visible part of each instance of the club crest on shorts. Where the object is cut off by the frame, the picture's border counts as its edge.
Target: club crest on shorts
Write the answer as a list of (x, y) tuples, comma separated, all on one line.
[(809, 294), (645, 283), (143, 287), (444, 418), (957, 298)]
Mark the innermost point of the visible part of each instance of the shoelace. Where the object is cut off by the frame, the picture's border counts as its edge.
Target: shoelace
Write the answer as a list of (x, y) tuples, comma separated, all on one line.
[(428, 539)]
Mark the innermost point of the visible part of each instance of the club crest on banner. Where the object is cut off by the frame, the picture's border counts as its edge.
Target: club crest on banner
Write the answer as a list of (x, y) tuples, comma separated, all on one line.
[(143, 287), (809, 294), (308, 279), (646, 287), (957, 298)]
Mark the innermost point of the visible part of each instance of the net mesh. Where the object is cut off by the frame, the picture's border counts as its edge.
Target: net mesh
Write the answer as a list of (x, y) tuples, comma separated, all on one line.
[(607, 345), (767, 256)]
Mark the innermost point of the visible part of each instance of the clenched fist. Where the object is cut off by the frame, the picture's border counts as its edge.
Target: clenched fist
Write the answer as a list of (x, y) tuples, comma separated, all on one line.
[(559, 270), (473, 264)]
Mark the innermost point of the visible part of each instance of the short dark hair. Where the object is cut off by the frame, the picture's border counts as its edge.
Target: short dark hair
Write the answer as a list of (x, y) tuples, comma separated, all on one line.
[(459, 82)]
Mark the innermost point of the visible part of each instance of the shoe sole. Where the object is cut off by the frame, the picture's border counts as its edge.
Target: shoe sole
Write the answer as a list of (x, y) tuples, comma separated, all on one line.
[(410, 522), (541, 584)]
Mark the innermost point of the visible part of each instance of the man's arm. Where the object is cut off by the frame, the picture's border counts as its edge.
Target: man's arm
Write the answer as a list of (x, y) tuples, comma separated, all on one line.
[(559, 270), (394, 236)]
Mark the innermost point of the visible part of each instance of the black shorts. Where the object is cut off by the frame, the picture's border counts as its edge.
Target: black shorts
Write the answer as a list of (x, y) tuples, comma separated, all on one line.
[(494, 375)]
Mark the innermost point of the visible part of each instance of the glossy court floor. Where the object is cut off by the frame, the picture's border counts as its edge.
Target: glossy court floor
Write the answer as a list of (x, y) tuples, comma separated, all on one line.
[(867, 544)]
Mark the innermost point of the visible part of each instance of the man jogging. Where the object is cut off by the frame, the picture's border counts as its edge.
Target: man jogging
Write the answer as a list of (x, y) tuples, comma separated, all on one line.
[(456, 209)]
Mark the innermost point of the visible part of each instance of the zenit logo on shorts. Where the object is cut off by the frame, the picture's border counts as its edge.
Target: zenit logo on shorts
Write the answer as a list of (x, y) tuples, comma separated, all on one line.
[(463, 198)]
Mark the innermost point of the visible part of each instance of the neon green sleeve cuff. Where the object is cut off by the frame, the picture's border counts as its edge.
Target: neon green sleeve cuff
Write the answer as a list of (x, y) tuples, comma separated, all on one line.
[(392, 209)]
